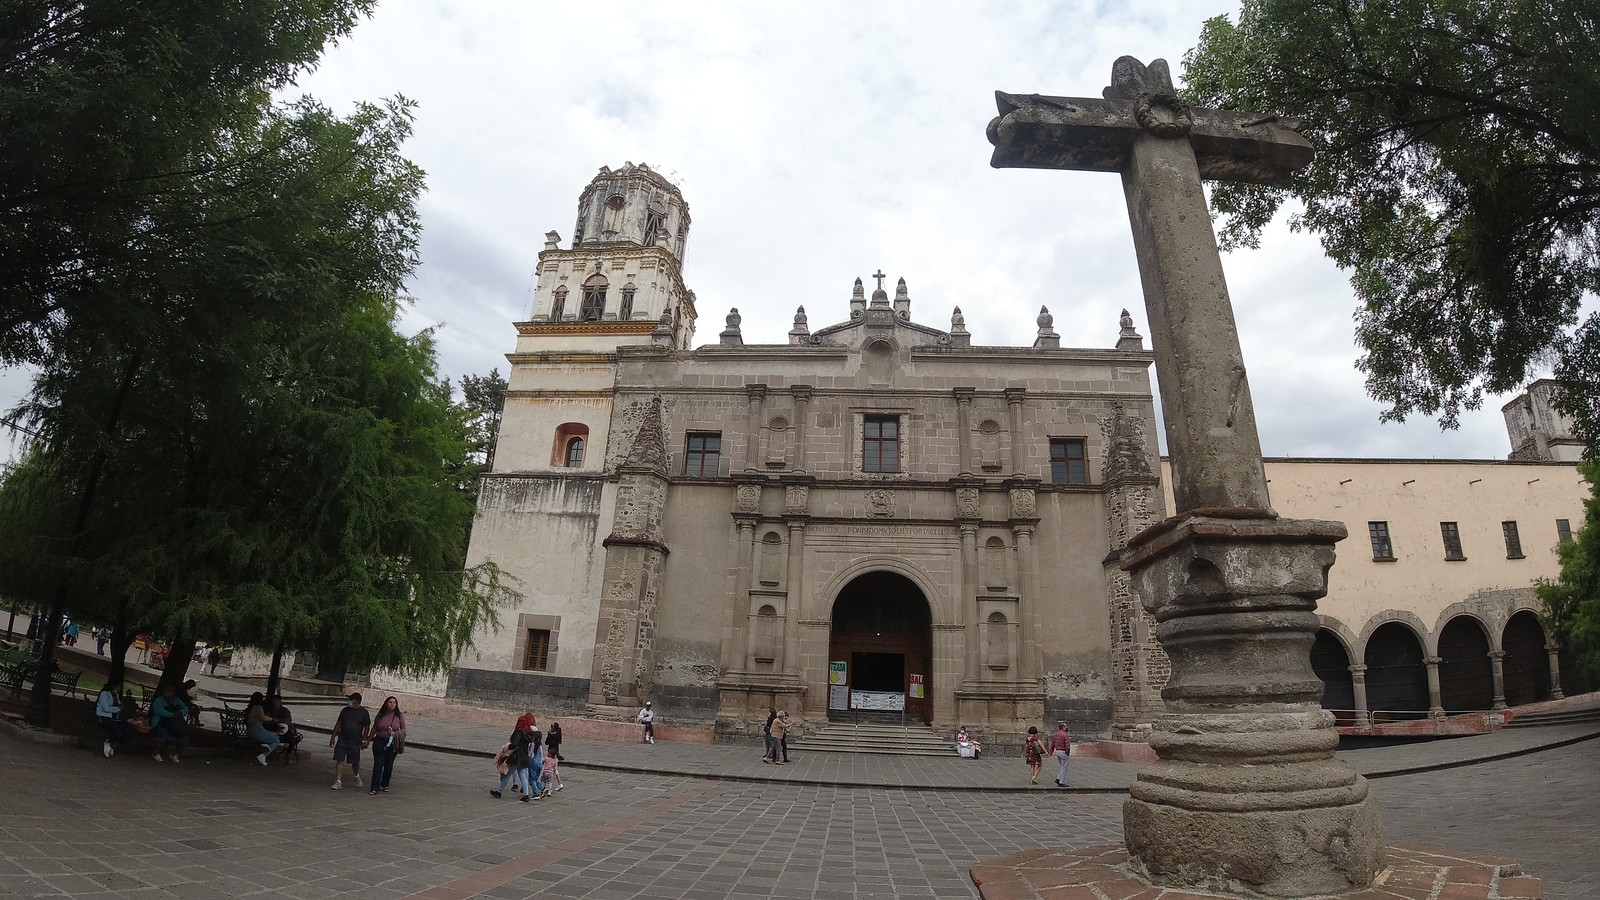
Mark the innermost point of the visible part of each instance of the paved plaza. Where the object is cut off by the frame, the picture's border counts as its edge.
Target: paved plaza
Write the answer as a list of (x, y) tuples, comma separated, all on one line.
[(683, 820)]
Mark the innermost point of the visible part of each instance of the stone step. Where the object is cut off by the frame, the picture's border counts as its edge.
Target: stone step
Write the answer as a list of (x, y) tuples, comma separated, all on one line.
[(1560, 717), (909, 740)]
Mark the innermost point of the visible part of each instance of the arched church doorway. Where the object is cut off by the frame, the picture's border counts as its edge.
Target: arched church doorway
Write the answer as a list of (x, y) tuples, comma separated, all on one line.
[(880, 650)]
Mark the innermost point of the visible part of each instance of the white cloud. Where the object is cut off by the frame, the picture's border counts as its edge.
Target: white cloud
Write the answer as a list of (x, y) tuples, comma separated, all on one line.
[(815, 144)]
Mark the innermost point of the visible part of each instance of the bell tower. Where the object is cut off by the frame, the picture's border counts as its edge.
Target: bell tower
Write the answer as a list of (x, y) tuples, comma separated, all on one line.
[(621, 281)]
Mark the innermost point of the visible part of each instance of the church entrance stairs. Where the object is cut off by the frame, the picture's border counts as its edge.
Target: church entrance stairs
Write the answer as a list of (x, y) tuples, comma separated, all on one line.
[(867, 737)]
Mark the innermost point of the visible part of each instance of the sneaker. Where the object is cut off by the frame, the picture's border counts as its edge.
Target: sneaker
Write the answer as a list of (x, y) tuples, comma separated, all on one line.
[(106, 749), (174, 758), (524, 798), (516, 788), (262, 757), (373, 792), (358, 781), (545, 794), (495, 794), (157, 756), (560, 786), (337, 785)]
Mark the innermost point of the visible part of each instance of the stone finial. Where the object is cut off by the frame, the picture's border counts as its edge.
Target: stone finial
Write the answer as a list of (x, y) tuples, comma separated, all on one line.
[(902, 301), (551, 239), (801, 332), (730, 335), (1047, 339), (1129, 339), (663, 332), (958, 329), (858, 301)]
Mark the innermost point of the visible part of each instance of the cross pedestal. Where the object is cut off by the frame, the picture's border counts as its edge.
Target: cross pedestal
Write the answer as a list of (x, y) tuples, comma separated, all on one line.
[(1247, 796)]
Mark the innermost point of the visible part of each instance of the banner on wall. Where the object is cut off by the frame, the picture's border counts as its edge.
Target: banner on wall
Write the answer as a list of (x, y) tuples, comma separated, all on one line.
[(838, 696), (836, 672), (916, 687)]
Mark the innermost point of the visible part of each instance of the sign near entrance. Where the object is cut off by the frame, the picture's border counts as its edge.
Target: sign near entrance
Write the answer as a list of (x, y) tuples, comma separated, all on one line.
[(916, 687), (893, 701), (838, 696), (836, 672)]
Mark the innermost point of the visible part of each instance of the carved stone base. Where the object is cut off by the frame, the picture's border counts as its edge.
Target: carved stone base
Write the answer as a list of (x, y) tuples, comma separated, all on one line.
[(1247, 796)]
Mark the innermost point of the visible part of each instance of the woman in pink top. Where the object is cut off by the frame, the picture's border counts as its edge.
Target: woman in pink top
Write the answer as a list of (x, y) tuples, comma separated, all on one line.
[(388, 733)]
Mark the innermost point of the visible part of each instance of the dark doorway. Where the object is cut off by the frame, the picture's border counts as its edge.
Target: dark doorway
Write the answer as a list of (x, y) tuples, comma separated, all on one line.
[(1526, 666), (1332, 665), (1397, 678), (1466, 677), (883, 633)]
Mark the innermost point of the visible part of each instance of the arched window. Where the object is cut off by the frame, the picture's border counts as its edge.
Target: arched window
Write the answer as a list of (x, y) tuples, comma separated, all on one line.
[(558, 306), (571, 442), (625, 312), (594, 299)]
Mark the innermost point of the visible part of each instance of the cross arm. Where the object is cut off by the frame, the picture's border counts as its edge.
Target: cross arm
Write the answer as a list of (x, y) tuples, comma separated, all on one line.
[(1034, 131)]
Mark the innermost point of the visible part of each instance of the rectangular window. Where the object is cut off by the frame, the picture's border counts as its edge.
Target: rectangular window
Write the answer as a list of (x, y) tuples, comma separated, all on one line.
[(1452, 540), (1513, 540), (538, 658), (1069, 464), (880, 444), (1563, 530), (702, 454), (1381, 548)]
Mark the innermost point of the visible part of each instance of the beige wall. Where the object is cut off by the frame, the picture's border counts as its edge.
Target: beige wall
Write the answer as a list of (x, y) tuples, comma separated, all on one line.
[(1414, 497)]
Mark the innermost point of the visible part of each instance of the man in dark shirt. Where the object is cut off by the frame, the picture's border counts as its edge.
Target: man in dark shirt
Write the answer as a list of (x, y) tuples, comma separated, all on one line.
[(349, 738)]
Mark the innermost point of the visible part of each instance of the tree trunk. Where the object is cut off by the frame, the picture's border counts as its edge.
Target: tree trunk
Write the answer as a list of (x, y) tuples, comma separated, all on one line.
[(121, 639), (180, 653)]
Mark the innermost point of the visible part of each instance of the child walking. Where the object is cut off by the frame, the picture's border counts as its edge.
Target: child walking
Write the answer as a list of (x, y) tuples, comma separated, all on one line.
[(551, 773)]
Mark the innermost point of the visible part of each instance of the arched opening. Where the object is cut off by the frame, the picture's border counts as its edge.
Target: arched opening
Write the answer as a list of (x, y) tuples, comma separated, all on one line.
[(1466, 677), (1332, 664), (571, 440), (594, 299), (1397, 678), (880, 651), (1526, 666)]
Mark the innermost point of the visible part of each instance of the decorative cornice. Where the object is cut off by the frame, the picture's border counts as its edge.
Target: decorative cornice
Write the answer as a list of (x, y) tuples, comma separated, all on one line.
[(584, 329)]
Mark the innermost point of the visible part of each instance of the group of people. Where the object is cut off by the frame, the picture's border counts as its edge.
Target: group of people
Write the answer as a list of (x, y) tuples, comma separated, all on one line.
[(776, 736), (168, 720), (357, 729), (1034, 750), (530, 761)]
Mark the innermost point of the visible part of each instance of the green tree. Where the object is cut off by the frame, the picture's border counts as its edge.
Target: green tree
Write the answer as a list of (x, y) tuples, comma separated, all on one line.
[(1572, 601), (107, 110), (482, 403), (1457, 177)]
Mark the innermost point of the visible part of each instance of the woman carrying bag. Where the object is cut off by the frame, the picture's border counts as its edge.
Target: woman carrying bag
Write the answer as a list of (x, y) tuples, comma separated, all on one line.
[(388, 739)]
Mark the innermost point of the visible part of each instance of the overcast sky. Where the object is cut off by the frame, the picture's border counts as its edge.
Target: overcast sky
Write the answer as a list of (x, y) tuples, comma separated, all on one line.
[(816, 143)]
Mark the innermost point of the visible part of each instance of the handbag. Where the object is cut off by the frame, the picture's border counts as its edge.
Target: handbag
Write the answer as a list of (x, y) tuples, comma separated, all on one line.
[(399, 743)]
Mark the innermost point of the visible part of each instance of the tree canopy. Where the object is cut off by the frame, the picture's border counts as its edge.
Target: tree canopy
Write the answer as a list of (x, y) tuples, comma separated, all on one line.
[(107, 110), (1457, 177), (233, 441)]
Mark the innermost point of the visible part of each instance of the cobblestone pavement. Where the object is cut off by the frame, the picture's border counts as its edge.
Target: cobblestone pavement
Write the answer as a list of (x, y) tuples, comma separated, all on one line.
[(76, 824)]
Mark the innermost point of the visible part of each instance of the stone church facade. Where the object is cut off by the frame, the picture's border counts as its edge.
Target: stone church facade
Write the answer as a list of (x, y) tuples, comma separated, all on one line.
[(876, 518), (873, 517)]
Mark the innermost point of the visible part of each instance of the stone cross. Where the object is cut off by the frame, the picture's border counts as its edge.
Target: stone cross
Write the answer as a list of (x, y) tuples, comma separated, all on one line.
[(1163, 149), (1247, 797), (880, 276)]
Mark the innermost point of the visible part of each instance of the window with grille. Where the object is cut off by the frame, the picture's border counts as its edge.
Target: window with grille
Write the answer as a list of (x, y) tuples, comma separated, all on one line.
[(558, 306), (1069, 463), (1513, 540), (538, 656), (880, 444), (702, 453), (626, 310), (1382, 549), (1563, 530), (1452, 540)]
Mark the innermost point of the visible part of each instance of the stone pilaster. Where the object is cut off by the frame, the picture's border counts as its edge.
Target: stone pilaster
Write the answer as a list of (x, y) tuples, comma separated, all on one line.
[(1554, 651), (1133, 503), (1358, 682), (1497, 659), (1435, 705), (1247, 796), (624, 662)]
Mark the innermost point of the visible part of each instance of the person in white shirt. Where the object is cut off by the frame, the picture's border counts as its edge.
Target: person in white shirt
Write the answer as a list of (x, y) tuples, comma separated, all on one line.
[(647, 718)]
